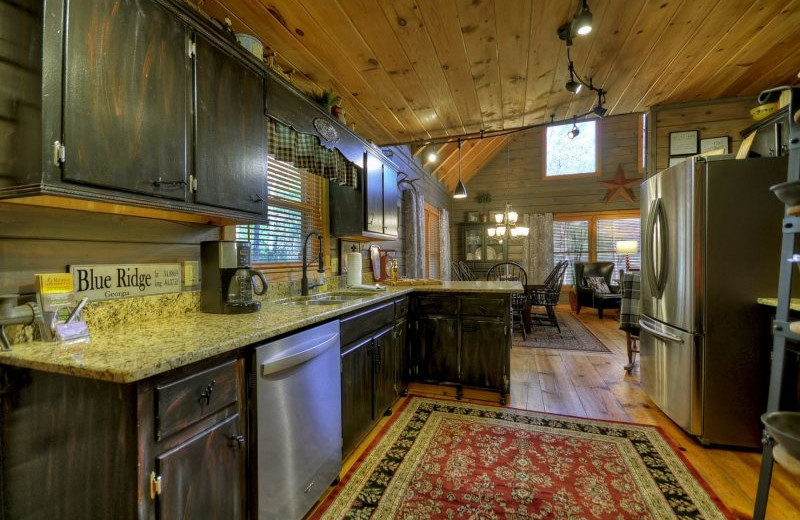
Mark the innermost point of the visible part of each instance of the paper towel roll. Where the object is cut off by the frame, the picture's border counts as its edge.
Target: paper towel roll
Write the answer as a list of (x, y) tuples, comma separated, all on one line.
[(353, 268)]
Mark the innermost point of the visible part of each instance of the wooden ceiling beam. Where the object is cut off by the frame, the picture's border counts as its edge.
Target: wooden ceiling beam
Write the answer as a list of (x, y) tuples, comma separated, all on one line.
[(476, 157)]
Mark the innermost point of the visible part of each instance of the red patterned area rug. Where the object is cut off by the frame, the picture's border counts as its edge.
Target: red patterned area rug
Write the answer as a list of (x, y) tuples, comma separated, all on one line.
[(574, 336), (449, 460)]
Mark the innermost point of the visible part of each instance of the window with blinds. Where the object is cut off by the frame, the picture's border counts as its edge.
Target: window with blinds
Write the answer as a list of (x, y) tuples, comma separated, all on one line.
[(432, 243), (295, 205), (570, 242), (609, 232), (593, 237)]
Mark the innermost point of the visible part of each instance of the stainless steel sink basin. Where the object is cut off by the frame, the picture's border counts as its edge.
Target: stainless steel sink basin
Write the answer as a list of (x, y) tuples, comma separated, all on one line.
[(312, 302), (329, 298)]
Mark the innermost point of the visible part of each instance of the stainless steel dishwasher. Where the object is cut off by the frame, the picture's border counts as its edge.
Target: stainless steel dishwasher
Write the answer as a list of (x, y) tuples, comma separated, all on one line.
[(298, 421)]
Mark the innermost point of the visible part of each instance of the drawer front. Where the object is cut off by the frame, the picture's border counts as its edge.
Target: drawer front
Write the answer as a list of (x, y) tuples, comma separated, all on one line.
[(365, 322), (428, 305), (400, 307), (484, 306), (186, 401)]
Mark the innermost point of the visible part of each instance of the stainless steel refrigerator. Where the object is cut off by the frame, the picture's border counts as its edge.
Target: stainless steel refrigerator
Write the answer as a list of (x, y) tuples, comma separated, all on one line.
[(711, 234)]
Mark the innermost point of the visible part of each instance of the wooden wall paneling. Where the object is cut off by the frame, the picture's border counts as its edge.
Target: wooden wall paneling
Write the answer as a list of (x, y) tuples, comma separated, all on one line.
[(480, 40), (513, 28), (737, 35), (277, 36), (496, 146), (353, 47), (441, 19), (379, 35), (407, 22), (546, 52)]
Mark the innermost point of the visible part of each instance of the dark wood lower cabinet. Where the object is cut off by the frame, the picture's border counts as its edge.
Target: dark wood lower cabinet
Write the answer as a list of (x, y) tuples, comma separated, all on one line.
[(462, 340), (386, 371), (357, 374), (80, 448)]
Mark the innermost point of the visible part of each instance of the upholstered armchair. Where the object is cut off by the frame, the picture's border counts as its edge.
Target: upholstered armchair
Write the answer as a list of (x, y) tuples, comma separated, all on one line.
[(590, 292)]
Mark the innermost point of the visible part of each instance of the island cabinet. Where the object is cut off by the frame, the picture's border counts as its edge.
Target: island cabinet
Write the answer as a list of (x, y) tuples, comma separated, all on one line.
[(374, 367), (156, 110), (462, 340), (172, 446)]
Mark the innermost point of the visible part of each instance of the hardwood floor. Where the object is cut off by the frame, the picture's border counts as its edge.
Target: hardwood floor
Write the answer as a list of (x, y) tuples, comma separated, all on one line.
[(594, 385)]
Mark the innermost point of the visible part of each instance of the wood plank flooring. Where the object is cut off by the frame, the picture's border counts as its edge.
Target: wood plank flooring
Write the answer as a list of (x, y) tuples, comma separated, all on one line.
[(594, 385)]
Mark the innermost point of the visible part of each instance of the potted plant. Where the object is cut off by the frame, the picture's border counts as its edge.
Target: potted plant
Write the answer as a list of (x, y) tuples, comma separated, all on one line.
[(327, 100), (483, 198)]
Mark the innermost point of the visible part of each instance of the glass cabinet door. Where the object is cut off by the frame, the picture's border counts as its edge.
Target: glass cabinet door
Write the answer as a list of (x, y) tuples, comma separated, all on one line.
[(494, 248), (473, 242)]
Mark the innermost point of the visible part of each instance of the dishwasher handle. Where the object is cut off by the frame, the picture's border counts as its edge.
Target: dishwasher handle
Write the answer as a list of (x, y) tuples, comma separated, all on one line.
[(298, 355)]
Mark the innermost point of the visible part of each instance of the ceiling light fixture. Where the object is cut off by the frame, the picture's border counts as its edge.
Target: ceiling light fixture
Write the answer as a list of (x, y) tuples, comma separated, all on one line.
[(461, 190), (572, 85), (582, 22), (574, 131), (432, 157), (507, 221)]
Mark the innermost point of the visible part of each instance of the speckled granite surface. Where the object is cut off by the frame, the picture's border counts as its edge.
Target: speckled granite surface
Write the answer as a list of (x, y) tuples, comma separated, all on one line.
[(124, 350)]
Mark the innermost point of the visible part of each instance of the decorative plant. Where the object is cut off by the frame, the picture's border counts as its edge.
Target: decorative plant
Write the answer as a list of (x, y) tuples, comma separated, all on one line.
[(483, 198), (325, 98)]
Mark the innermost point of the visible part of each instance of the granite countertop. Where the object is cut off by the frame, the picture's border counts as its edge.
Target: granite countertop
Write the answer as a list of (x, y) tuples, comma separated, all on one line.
[(134, 352), (794, 304)]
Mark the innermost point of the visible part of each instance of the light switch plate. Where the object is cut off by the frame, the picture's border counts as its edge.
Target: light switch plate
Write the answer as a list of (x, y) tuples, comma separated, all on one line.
[(191, 273)]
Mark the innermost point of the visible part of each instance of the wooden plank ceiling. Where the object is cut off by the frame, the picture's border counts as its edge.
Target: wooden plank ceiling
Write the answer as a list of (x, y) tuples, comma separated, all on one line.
[(414, 71)]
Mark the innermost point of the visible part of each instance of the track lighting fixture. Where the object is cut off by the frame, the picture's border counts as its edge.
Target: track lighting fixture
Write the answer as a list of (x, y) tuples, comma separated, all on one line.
[(582, 22), (572, 85), (574, 131), (600, 110), (461, 190), (432, 157)]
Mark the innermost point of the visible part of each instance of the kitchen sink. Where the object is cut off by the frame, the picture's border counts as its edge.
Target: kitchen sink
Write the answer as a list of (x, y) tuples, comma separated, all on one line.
[(329, 298), (312, 302)]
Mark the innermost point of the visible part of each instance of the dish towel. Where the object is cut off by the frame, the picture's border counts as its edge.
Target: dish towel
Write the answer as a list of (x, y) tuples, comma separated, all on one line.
[(629, 308)]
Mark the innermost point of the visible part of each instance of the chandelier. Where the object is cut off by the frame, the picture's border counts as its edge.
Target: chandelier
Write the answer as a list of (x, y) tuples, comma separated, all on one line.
[(507, 220)]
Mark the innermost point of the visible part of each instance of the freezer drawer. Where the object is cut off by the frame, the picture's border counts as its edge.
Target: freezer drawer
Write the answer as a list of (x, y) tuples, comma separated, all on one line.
[(671, 372)]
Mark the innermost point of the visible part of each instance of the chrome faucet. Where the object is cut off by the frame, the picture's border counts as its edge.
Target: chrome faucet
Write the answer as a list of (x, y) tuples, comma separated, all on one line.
[(304, 287)]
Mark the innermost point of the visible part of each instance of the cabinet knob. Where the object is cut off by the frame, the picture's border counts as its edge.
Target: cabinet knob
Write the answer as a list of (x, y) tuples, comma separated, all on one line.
[(206, 394), (237, 441), (256, 198)]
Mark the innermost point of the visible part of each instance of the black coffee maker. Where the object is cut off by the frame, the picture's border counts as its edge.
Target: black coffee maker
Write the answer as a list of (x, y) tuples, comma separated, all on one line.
[(228, 281)]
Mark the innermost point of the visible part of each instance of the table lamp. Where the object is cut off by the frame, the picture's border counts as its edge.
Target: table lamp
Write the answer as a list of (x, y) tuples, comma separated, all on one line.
[(627, 247)]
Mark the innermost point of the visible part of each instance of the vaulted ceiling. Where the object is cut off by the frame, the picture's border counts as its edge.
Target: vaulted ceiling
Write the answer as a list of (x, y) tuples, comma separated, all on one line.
[(417, 70)]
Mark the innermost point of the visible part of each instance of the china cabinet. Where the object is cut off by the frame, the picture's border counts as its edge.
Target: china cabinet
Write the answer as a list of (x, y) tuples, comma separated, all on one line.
[(480, 250)]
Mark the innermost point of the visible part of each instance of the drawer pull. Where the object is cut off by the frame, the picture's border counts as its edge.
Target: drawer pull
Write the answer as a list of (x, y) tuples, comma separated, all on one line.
[(206, 395)]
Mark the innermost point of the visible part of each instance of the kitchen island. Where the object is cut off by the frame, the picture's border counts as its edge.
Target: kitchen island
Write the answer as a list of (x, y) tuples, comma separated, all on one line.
[(148, 420)]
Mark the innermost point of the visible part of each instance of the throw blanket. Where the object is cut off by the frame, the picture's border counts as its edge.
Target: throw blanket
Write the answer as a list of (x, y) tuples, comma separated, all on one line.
[(629, 309)]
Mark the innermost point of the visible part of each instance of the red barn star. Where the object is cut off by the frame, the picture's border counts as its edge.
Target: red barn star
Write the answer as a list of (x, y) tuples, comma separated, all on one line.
[(621, 186)]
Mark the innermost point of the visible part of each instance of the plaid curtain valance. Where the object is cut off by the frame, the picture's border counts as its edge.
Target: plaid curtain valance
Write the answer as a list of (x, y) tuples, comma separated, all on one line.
[(305, 152)]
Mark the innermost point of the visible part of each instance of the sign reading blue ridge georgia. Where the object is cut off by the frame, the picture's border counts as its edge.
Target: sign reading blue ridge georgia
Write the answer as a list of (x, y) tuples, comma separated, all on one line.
[(107, 282)]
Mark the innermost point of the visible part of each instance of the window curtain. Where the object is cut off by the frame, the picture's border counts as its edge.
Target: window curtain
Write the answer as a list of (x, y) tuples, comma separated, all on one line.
[(537, 253), (444, 247), (413, 210), (305, 152)]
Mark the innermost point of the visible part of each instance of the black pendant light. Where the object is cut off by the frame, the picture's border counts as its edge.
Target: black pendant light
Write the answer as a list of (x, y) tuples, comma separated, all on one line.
[(461, 190)]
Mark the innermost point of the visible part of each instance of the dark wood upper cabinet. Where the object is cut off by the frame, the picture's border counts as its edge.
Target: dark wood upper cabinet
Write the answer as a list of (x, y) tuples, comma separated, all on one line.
[(230, 131), (126, 96), (373, 209)]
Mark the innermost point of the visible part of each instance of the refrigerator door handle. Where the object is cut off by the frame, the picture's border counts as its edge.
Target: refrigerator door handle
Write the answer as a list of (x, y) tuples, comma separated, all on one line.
[(656, 272), (666, 336)]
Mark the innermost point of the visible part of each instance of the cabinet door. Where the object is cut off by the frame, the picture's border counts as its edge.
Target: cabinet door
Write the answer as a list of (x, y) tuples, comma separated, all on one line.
[(403, 363), (126, 96), (390, 194), (357, 374), (374, 194), (386, 365), (484, 350), (473, 243), (230, 134), (204, 477), (437, 349)]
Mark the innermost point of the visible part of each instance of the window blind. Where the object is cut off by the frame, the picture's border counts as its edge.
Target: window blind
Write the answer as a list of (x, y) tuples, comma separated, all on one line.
[(432, 242), (609, 232), (570, 242), (294, 209)]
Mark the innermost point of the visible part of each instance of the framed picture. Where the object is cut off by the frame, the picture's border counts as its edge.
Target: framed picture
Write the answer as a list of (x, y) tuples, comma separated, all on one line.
[(683, 143), (714, 143), (675, 160), (473, 216)]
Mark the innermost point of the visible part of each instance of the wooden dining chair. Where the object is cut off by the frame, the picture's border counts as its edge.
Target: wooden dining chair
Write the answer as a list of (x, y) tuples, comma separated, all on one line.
[(505, 271)]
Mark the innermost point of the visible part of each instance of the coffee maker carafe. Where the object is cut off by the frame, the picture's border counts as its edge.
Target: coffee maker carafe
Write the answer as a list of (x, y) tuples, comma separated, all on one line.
[(228, 280)]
